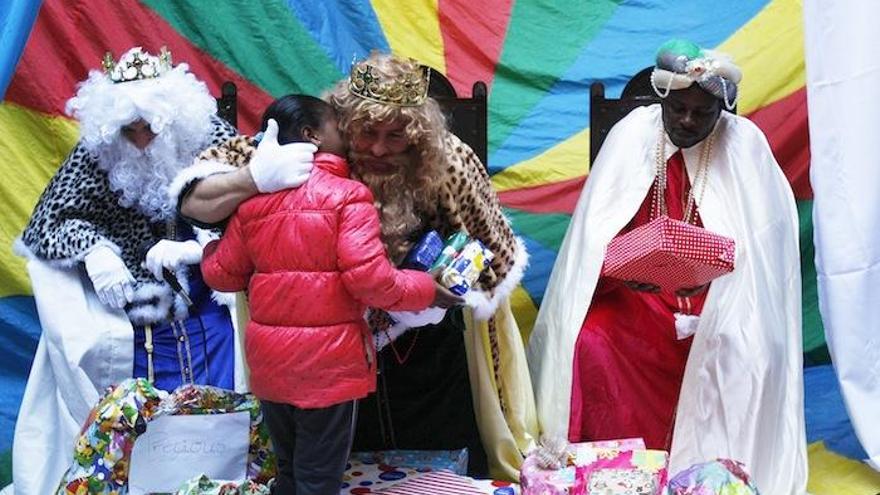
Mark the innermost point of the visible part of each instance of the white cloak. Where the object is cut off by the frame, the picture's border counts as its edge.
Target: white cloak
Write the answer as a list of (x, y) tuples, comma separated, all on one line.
[(742, 392)]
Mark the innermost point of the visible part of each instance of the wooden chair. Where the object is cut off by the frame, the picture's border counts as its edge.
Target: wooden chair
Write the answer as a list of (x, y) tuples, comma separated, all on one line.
[(466, 117), (605, 112), (227, 103)]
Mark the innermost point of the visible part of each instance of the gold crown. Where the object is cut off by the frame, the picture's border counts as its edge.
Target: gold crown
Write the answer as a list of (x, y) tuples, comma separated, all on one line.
[(136, 65), (408, 89)]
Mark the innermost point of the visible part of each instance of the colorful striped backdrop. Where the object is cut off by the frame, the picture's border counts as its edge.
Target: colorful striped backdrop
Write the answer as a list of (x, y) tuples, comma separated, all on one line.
[(538, 58)]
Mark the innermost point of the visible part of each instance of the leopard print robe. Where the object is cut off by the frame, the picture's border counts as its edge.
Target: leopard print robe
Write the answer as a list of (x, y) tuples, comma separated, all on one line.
[(78, 211)]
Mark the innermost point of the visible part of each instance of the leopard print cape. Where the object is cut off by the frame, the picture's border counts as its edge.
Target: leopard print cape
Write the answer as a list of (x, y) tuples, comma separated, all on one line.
[(79, 211)]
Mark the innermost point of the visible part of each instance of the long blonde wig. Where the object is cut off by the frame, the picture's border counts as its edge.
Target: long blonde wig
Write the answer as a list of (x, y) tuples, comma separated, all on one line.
[(403, 200)]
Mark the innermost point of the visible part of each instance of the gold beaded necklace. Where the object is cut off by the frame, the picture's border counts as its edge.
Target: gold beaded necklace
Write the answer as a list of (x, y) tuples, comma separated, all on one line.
[(658, 201)]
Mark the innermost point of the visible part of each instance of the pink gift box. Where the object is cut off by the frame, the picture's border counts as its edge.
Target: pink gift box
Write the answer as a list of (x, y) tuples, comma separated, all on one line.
[(623, 472), (537, 481), (670, 254)]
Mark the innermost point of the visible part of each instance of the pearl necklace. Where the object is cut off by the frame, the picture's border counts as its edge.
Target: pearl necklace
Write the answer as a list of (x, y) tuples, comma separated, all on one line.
[(658, 201)]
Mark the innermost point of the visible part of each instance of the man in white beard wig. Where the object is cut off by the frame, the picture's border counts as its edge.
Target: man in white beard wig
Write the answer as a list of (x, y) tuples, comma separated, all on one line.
[(713, 371), (98, 242)]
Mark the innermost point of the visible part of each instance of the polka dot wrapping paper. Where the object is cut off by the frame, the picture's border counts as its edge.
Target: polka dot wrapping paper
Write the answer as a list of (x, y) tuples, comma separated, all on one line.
[(670, 254), (368, 478)]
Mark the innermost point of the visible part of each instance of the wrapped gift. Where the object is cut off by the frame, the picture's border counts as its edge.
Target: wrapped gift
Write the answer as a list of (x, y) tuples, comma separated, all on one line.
[(424, 253), (585, 452), (467, 266), (537, 478), (718, 476), (454, 244), (102, 454), (443, 483), (103, 450), (202, 485), (455, 461), (203, 399), (670, 254), (362, 478), (622, 472)]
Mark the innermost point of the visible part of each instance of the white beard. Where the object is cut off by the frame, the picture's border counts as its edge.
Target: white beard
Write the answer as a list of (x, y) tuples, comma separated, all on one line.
[(142, 177)]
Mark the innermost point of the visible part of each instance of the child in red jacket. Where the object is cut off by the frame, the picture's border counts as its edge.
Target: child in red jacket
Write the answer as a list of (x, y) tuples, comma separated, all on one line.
[(312, 261)]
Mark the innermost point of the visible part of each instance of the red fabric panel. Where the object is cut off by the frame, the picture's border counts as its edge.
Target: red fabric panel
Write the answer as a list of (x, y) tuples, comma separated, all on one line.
[(70, 37), (556, 197), (473, 34), (785, 124)]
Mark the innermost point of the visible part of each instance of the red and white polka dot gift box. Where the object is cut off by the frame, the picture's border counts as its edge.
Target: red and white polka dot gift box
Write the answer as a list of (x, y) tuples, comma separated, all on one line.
[(670, 254)]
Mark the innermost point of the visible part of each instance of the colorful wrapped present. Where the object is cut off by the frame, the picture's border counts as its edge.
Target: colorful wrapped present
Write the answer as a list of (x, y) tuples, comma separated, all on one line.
[(202, 485), (670, 254), (363, 478), (551, 468), (446, 483), (425, 252), (708, 478), (454, 461), (464, 270), (454, 244), (102, 453), (202, 399), (622, 472)]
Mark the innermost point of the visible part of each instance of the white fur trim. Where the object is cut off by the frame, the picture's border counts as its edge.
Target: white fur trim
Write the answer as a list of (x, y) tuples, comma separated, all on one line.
[(483, 305), (21, 249), (686, 325), (198, 170), (225, 298), (204, 236), (142, 314)]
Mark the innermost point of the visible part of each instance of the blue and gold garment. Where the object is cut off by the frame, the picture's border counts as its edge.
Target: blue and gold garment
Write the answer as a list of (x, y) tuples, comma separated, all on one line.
[(198, 348)]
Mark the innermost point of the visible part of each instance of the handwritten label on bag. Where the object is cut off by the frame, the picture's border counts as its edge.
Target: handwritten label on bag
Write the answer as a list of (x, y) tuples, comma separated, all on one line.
[(177, 448)]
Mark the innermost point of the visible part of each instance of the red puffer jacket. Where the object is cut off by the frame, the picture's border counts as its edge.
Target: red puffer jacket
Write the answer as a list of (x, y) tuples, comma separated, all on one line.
[(312, 261)]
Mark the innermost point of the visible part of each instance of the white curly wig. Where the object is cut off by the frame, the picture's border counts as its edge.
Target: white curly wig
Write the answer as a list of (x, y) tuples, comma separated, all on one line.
[(178, 108)]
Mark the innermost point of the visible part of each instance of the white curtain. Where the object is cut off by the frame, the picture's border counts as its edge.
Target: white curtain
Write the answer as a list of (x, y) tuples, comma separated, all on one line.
[(843, 89)]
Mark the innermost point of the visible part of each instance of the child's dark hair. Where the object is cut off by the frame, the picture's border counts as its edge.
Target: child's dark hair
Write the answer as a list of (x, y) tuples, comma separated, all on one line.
[(294, 113)]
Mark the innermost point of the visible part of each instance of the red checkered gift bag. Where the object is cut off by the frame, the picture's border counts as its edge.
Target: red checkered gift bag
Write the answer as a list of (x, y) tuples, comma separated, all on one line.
[(670, 254)]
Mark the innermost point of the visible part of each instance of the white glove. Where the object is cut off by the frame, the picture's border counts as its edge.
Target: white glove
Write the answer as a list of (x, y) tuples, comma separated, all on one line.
[(172, 255), (112, 281), (413, 319), (275, 167)]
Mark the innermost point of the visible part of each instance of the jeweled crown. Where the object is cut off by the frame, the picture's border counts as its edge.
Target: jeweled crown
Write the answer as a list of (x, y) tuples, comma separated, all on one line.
[(136, 64), (407, 89)]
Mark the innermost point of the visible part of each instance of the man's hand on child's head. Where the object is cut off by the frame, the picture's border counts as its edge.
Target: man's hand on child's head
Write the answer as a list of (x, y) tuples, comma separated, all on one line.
[(275, 167)]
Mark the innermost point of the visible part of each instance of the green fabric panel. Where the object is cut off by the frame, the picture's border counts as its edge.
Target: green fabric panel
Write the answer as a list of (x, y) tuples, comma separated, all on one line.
[(262, 41), (5, 468), (814, 332), (541, 45), (548, 229)]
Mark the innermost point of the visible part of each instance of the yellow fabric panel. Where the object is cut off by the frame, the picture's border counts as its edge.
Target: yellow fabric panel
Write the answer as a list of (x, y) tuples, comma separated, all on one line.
[(567, 160), (506, 434), (770, 51), (413, 30), (831, 474), (33, 146), (525, 312)]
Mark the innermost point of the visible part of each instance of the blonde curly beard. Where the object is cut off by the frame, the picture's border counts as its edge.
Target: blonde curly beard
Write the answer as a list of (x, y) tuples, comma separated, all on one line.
[(401, 199)]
